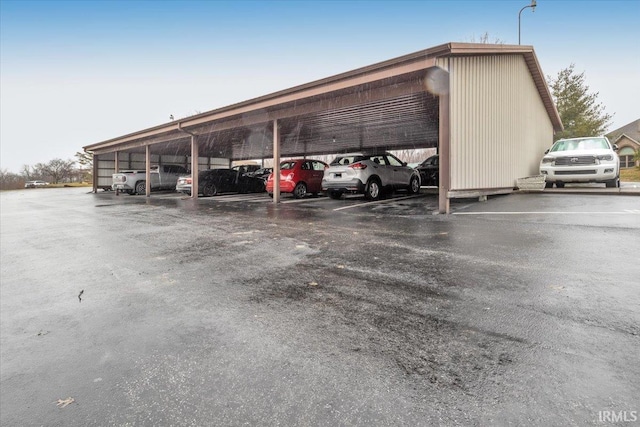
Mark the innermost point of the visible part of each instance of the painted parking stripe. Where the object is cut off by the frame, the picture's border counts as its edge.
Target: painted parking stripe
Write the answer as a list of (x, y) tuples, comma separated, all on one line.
[(625, 212), (377, 202), (303, 200)]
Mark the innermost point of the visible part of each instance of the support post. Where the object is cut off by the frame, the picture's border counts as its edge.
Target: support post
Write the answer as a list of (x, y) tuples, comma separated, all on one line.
[(95, 173), (276, 162), (116, 168), (148, 170), (444, 151), (195, 155)]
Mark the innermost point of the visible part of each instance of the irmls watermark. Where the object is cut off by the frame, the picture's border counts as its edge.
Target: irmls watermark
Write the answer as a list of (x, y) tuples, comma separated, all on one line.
[(618, 416)]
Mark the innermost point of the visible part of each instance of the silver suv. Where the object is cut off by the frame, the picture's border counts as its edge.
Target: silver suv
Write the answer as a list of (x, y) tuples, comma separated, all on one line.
[(369, 174), (592, 159)]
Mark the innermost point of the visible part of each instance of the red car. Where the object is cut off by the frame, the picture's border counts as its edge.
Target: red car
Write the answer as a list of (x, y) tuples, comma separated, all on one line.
[(300, 176)]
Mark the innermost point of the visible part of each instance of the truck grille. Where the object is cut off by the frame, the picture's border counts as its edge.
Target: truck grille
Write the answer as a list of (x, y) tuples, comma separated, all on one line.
[(578, 172), (575, 161)]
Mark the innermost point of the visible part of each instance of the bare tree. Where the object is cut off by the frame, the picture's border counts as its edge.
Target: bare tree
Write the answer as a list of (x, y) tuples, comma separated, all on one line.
[(10, 180), (484, 39), (26, 172), (57, 169)]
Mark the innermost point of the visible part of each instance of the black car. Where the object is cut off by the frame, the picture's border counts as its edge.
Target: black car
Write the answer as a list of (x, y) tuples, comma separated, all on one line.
[(214, 181), (429, 171), (262, 173)]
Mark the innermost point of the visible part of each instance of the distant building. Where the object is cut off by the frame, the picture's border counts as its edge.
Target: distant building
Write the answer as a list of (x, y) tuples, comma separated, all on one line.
[(628, 140)]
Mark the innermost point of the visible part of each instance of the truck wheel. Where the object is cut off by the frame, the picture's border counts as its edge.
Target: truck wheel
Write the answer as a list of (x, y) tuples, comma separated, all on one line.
[(613, 183), (141, 187)]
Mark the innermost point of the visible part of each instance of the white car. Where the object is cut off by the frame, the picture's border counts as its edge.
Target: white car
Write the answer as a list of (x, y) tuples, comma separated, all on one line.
[(591, 159), (35, 184), (369, 174)]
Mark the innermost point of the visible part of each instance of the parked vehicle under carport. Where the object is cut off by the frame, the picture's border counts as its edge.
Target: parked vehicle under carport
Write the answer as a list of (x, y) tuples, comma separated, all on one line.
[(430, 171), (370, 174), (214, 181), (299, 177), (163, 177)]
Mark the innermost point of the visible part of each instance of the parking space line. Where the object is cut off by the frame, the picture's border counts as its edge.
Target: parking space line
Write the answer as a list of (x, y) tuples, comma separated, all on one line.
[(376, 202), (227, 198), (303, 200), (625, 212)]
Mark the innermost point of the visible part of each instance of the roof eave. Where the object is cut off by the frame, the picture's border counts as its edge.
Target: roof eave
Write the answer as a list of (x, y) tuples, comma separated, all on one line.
[(447, 49)]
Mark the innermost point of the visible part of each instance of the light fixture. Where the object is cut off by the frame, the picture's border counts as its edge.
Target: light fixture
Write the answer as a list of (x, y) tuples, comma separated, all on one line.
[(533, 9)]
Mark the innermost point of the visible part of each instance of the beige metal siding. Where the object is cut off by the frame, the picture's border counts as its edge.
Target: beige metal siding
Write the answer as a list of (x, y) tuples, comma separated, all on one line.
[(499, 124), (105, 167)]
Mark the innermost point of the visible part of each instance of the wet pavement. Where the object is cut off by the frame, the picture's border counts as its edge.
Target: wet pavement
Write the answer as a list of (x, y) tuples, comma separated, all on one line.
[(524, 309)]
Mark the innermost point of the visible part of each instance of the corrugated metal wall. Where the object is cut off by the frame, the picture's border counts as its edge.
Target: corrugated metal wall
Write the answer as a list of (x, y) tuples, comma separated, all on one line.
[(499, 126), (106, 164)]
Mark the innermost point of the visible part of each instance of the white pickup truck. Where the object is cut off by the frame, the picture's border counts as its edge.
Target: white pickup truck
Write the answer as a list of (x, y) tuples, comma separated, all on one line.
[(163, 177)]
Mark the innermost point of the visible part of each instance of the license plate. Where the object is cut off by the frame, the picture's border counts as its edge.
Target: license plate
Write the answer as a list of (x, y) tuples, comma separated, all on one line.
[(337, 175)]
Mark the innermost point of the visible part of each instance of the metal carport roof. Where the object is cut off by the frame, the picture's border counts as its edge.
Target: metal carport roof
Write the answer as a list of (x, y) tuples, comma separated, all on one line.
[(386, 106)]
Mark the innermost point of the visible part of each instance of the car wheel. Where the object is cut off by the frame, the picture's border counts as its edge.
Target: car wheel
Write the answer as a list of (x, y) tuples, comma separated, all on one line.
[(414, 185), (335, 194), (209, 189), (372, 192), (613, 183), (559, 184), (141, 187), (300, 190), (548, 184)]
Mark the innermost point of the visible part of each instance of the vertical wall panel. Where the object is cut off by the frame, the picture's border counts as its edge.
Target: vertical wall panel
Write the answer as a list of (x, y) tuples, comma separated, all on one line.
[(106, 167), (499, 126)]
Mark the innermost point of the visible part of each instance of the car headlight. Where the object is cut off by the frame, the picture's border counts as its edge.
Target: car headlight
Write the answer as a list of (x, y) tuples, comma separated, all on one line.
[(546, 160), (605, 157)]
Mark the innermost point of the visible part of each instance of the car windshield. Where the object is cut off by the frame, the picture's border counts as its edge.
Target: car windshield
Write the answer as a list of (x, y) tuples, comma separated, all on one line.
[(580, 144), (287, 165), (347, 159)]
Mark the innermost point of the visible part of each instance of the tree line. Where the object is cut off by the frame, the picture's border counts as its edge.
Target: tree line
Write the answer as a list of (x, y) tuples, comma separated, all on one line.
[(55, 171)]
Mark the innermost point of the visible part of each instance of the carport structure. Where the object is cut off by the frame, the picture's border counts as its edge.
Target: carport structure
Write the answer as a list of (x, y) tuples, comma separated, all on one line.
[(487, 109)]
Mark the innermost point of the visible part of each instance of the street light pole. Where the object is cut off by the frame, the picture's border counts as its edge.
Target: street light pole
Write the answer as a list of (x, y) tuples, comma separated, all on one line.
[(533, 8)]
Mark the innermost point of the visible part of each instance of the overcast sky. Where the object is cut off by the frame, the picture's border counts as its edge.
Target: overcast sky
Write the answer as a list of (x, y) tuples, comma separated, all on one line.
[(79, 72)]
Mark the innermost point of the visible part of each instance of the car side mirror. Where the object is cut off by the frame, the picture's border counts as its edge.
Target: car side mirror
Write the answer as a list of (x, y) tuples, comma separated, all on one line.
[(546, 151), (615, 147), (404, 164)]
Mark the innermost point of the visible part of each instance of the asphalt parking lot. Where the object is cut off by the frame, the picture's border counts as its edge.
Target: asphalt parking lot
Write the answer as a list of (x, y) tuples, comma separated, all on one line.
[(522, 310)]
